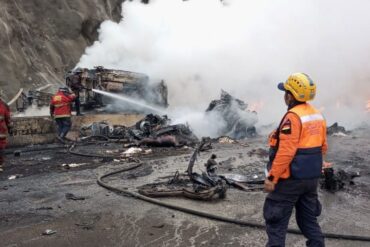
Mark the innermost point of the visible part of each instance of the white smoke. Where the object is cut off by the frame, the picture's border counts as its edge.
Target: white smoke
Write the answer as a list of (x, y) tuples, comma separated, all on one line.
[(245, 47), (33, 111)]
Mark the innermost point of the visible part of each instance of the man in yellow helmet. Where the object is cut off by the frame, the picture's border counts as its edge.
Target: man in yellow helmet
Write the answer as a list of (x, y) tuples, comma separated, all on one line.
[(297, 147)]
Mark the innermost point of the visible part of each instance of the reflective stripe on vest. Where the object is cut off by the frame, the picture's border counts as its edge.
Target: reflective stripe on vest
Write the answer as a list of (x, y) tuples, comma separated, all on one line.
[(60, 105), (311, 117), (1, 117), (60, 116), (2, 136)]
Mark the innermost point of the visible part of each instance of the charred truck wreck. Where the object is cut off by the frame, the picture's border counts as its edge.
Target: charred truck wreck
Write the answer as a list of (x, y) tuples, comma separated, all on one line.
[(131, 84)]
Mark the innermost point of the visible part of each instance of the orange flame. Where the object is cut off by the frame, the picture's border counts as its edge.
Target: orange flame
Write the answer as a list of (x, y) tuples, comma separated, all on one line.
[(368, 106)]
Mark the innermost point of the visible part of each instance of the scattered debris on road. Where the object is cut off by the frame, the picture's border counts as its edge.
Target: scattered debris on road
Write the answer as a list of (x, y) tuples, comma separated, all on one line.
[(48, 232), (73, 165), (70, 196), (15, 176)]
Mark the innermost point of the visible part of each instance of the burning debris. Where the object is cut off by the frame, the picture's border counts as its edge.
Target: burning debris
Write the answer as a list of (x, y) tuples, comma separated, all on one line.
[(153, 130), (239, 122)]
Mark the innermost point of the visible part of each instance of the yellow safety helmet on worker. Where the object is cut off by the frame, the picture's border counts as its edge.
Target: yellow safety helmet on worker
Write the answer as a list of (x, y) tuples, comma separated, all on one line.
[(301, 86)]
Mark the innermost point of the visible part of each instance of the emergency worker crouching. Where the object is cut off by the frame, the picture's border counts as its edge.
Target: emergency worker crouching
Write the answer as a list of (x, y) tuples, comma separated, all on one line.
[(60, 110), (5, 128), (296, 154)]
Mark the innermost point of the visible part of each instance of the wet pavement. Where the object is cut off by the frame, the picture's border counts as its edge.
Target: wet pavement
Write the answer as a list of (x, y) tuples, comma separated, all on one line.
[(36, 200)]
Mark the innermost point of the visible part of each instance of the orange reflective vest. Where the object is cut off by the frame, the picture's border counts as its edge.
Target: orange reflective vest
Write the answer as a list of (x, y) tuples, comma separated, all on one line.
[(4, 123), (62, 104), (297, 146)]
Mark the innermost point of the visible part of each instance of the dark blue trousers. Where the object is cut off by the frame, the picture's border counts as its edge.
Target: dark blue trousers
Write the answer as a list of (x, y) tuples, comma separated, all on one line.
[(64, 125), (78, 104), (289, 193)]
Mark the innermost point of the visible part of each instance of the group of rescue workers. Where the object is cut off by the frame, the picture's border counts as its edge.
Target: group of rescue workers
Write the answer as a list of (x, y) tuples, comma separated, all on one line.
[(296, 153)]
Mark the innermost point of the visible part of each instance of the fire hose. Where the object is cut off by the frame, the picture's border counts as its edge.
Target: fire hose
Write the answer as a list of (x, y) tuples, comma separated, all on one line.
[(206, 214), (70, 150), (47, 147), (193, 211), (35, 149)]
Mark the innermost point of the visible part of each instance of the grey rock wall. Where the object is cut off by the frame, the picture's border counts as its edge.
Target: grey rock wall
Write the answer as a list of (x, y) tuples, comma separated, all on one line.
[(41, 39)]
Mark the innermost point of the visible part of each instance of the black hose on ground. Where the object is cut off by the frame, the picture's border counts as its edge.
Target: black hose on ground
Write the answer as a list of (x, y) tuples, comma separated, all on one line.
[(48, 147), (70, 150), (34, 149), (205, 214)]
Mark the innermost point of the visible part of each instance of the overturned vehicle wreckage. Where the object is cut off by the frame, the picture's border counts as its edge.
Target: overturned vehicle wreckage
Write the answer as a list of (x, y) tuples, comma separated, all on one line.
[(238, 122), (127, 83)]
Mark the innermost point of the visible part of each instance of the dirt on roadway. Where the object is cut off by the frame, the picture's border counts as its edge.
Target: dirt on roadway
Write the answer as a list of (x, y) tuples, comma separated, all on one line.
[(37, 201)]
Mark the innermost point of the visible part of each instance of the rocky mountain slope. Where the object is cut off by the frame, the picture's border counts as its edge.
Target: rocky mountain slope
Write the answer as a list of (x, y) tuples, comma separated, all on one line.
[(41, 39)]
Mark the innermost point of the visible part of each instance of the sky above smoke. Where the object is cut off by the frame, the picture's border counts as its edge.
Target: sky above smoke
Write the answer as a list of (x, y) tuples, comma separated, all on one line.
[(245, 47)]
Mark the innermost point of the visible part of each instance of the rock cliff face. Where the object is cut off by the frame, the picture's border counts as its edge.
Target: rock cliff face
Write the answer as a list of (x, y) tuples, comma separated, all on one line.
[(41, 39)]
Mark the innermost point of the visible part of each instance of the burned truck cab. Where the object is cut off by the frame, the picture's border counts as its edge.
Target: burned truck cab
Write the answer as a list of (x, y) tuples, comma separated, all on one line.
[(130, 84)]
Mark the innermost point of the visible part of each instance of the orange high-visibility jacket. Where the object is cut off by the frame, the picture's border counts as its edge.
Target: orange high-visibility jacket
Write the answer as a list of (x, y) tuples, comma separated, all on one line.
[(4, 123), (299, 144), (62, 104)]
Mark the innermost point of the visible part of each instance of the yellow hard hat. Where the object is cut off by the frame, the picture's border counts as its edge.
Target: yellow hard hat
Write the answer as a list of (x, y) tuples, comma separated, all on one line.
[(300, 85)]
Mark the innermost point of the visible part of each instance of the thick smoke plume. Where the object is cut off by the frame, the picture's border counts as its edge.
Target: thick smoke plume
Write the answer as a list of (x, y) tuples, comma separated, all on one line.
[(245, 47)]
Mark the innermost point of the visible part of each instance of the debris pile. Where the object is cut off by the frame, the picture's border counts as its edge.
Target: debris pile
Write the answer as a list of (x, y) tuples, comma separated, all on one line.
[(336, 130), (36, 98), (205, 186), (239, 122), (153, 130), (334, 181)]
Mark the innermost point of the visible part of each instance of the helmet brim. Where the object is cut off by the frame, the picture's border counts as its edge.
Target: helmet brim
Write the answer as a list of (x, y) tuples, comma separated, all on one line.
[(281, 87)]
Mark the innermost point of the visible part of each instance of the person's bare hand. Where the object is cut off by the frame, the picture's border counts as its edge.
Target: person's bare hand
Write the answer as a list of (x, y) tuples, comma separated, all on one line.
[(269, 186), (326, 164)]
